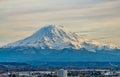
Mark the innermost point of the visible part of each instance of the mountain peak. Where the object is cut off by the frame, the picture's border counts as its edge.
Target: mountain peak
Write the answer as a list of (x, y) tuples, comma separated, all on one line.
[(52, 37), (56, 37), (49, 29)]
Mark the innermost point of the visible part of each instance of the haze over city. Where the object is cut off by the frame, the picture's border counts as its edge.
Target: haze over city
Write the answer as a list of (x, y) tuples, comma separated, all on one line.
[(94, 19)]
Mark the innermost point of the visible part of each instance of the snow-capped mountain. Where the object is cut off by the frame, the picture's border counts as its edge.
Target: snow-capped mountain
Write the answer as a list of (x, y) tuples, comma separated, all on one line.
[(56, 37), (57, 44)]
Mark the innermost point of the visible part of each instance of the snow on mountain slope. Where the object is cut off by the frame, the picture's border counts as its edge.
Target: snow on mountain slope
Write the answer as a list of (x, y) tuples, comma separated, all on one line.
[(56, 37)]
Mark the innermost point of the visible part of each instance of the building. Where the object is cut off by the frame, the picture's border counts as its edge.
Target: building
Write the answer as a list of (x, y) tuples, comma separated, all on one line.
[(62, 73)]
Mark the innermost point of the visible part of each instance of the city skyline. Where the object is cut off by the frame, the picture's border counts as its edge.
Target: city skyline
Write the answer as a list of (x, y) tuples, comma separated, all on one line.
[(21, 18)]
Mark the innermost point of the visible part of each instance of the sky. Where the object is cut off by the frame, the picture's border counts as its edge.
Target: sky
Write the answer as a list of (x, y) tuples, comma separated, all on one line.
[(95, 19)]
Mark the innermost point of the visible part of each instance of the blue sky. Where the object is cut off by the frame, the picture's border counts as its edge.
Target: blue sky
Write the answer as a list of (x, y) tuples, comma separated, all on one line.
[(96, 19)]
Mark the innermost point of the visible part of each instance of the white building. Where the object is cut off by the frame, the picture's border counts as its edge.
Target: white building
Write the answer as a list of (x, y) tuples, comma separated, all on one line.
[(62, 73)]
